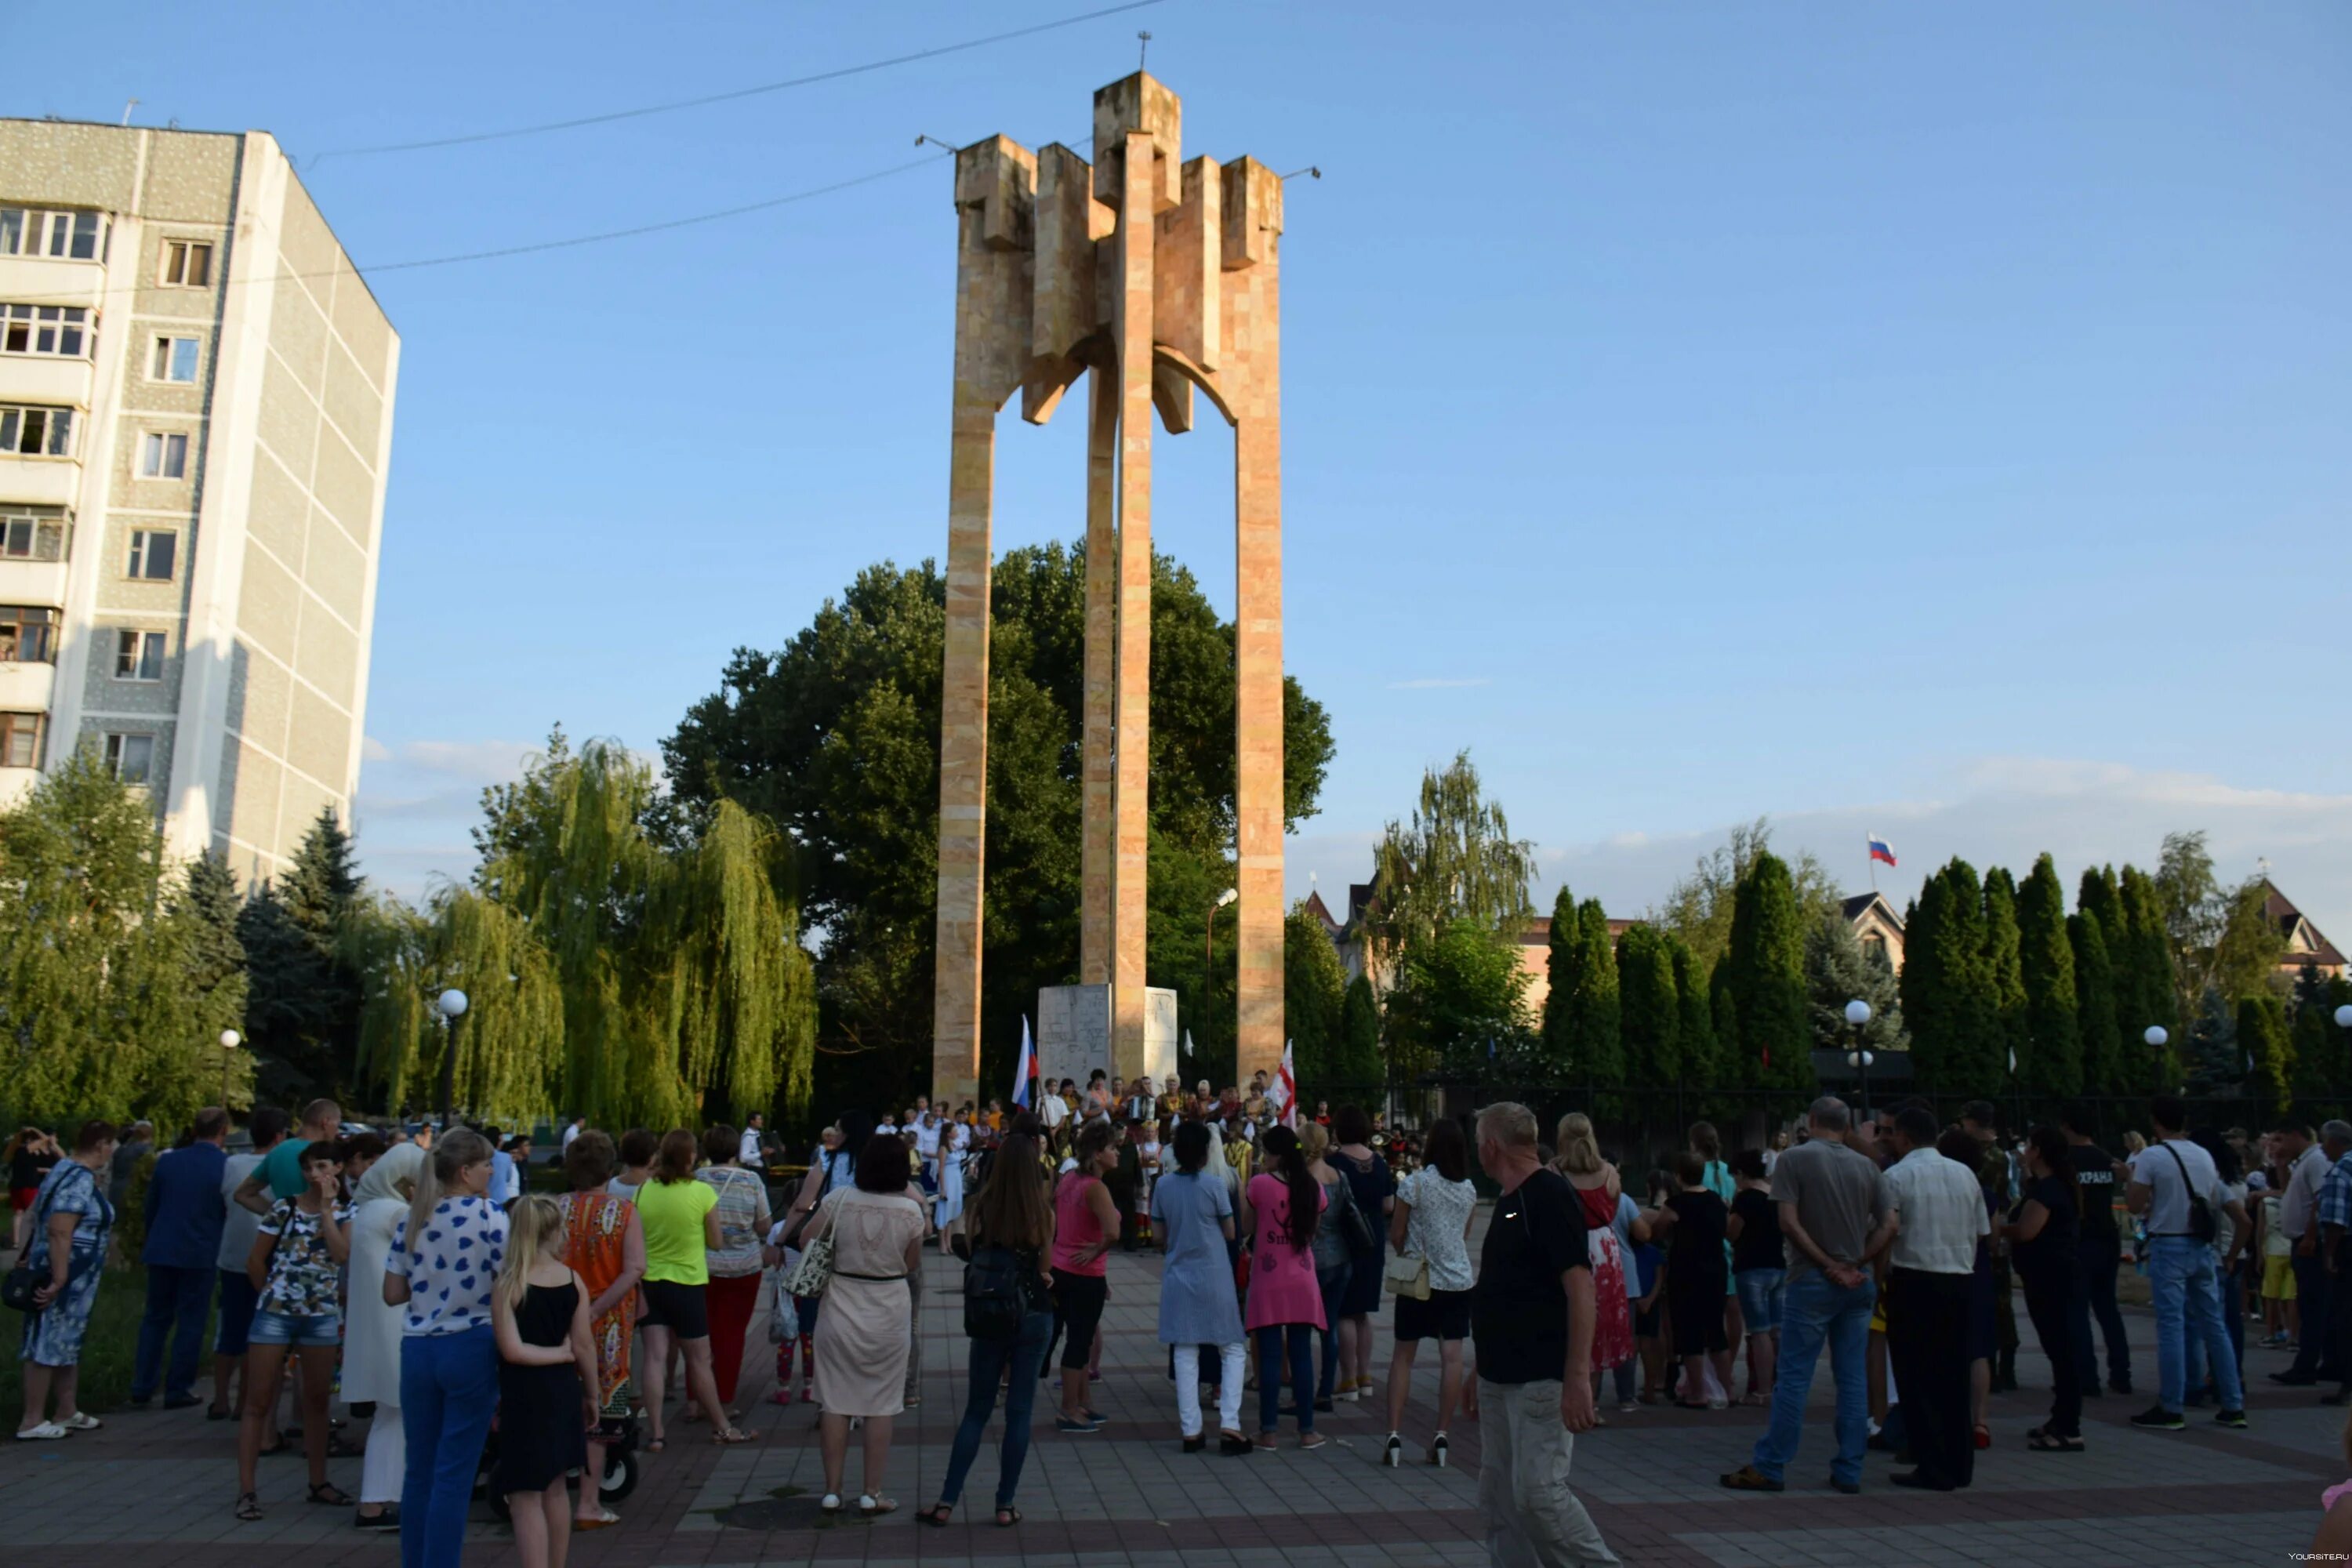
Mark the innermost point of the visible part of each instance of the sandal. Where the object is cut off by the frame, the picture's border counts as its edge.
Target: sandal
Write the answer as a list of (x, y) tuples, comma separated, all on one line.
[(602, 1519), (248, 1506), (657, 1445), (938, 1514), (829, 1503), (873, 1505), (279, 1447), (2042, 1440), (731, 1436), (344, 1448), (1006, 1517), (331, 1495)]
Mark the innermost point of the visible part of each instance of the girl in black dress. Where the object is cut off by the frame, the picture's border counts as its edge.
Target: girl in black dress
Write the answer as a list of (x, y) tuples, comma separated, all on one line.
[(547, 1380), (1696, 1276)]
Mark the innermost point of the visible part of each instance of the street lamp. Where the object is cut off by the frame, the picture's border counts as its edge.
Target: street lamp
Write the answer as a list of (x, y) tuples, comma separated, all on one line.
[(2155, 1036), (229, 1040), (2344, 1016), (451, 1006), (1857, 1017), (1231, 895)]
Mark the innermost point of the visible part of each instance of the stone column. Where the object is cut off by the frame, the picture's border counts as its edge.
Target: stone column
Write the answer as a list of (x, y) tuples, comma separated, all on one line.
[(1095, 848), (1131, 797)]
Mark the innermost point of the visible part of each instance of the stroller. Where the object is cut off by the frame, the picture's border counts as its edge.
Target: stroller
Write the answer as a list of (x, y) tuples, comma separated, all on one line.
[(618, 1431)]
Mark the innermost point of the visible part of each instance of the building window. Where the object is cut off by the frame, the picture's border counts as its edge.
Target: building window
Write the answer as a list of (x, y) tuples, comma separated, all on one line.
[(131, 758), (138, 656), (60, 330), (174, 360), (154, 554), (69, 236), (32, 533), (28, 634), (163, 455), (187, 263), (20, 739), (37, 432)]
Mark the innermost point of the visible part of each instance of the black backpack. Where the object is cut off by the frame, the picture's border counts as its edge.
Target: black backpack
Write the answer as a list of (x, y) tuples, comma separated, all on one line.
[(995, 1293)]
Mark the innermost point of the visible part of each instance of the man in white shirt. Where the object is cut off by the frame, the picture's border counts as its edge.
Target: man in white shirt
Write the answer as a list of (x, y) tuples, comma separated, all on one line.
[(2308, 1166), (927, 1150), (2170, 1179), (572, 1130), (1052, 1107), (1936, 1212)]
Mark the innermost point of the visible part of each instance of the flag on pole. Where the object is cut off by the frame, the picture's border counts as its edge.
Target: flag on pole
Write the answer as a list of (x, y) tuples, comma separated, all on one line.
[(1880, 850), (1188, 1043), (1283, 1093), (1025, 1071)]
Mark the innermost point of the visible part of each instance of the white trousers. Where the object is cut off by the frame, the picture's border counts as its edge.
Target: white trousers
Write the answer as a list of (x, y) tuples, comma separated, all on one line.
[(1533, 1520), (1232, 1371), (386, 1465)]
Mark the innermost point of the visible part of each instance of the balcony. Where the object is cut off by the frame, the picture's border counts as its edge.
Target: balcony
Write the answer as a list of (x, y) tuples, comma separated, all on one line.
[(26, 687), (47, 379), (42, 481), (52, 281)]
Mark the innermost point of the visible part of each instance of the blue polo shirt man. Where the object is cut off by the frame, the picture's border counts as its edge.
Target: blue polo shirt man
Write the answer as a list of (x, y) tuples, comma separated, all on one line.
[(184, 1212)]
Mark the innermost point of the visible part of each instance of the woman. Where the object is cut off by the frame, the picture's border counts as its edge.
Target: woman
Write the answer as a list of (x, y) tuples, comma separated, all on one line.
[(862, 1344), (1335, 1260), (1598, 1188), (547, 1381), (1285, 1307), (734, 1268), (2041, 1237), (680, 1216), (1010, 1229), (1984, 1308), (1759, 1270), (1373, 1189), (1085, 1223), (1708, 1144), (1434, 1206), (443, 1260), (1697, 1268), (1193, 1208), (297, 1269), (371, 1332), (955, 1142), (638, 1150), (604, 1242), (2201, 1384), (68, 1224)]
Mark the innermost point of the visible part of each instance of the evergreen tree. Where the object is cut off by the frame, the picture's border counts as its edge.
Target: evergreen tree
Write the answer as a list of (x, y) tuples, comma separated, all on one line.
[(2052, 1062), (1767, 977), (2266, 1052), (1698, 1058), (1463, 1007), (2094, 993), (216, 964), (1947, 1002), (288, 1002), (1581, 1010), (1360, 1033), (2144, 983), (2004, 974), (1314, 992), (1563, 965), (1734, 1068), (1649, 1008), (1839, 970)]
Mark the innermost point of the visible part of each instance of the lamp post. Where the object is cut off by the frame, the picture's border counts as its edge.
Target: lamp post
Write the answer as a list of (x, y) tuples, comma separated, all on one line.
[(2157, 1036), (230, 1040), (1857, 1017), (2344, 1016), (451, 1006)]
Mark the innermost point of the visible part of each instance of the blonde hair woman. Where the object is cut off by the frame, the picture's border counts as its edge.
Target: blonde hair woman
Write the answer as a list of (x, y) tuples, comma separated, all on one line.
[(547, 1379), (1598, 1190)]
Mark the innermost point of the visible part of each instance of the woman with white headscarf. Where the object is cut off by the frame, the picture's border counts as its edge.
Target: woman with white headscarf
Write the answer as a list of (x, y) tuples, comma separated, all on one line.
[(371, 1332)]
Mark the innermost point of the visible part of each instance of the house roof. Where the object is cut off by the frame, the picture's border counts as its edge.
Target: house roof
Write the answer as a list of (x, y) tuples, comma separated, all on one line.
[(1537, 932), (1321, 912), (2292, 924), (1857, 905)]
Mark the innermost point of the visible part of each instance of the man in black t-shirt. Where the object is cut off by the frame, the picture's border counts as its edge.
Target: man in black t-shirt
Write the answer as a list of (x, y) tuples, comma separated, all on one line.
[(2099, 1245), (1531, 1320)]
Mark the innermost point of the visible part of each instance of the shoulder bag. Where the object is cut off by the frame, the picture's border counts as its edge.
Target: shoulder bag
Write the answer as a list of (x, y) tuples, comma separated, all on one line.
[(2201, 1213), (1407, 1275)]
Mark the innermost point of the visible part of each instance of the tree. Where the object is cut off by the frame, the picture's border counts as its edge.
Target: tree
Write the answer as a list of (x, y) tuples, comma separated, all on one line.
[(1314, 997), (1452, 859), (1580, 1009), (2094, 993), (216, 964), (2004, 976), (835, 738), (1839, 970), (1947, 999), (1700, 1060), (1649, 1008), (2266, 1052), (1360, 1033), (2052, 1060), (2219, 939), (1462, 1006), (2145, 992), (1767, 965), (1699, 908)]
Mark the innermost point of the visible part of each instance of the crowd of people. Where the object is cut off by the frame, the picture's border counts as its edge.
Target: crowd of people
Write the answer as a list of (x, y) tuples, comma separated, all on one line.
[(422, 1280)]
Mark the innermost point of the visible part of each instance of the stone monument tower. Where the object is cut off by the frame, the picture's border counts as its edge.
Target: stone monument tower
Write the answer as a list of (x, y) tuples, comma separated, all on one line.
[(1153, 278)]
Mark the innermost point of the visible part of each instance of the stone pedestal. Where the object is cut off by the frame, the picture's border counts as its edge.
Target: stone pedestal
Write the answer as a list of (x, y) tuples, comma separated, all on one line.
[(1074, 1035)]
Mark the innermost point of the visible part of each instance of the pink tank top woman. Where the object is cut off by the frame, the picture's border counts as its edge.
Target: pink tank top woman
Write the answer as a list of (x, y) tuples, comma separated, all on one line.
[(1076, 1226)]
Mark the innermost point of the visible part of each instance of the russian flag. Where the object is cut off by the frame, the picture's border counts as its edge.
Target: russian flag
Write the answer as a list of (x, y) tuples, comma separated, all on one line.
[(1025, 1072), (1879, 849)]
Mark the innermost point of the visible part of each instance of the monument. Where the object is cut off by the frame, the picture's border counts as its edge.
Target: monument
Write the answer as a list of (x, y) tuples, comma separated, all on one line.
[(1153, 278)]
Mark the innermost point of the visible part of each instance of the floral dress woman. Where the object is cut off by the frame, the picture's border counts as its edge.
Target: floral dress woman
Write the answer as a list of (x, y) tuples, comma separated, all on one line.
[(53, 1335), (596, 1230)]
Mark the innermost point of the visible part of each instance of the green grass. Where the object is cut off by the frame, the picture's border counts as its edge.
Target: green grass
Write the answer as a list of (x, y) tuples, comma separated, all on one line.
[(106, 1350)]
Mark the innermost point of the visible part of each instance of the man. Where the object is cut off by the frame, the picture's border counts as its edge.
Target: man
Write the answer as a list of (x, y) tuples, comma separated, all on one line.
[(2334, 1216), (926, 1151), (749, 1149), (517, 1167), (2169, 1179), (2315, 1287), (1531, 1319), (1832, 1203), (237, 1296), (1998, 1169), (1142, 1105), (1935, 1213), (184, 1215), (572, 1129), (279, 1175), (138, 1143), (2098, 1251)]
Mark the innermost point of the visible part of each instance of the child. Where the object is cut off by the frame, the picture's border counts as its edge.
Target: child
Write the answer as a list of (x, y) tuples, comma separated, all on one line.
[(2279, 1322), (1759, 1269), (547, 1380), (296, 1266), (1650, 1281), (1696, 1282), (799, 1322)]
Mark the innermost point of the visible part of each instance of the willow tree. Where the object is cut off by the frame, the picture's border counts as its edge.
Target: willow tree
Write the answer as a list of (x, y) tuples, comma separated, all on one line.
[(1454, 859)]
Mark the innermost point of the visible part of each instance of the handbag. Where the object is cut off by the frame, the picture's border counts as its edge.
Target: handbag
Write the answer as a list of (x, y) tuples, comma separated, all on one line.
[(1407, 1277), (24, 1281), (813, 1271)]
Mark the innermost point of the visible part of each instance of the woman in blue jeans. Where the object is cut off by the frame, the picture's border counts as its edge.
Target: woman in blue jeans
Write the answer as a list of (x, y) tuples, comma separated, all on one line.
[(445, 1257), (1009, 1212)]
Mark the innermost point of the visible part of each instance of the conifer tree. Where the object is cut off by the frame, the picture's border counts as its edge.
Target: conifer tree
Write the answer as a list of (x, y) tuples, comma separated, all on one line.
[(1563, 965), (1650, 1008), (1698, 1060), (1595, 1015), (1838, 970), (2004, 976), (1360, 1031), (1955, 1042), (217, 962), (2266, 1053), (2144, 989), (2095, 992), (1767, 978), (1313, 991), (2052, 1061)]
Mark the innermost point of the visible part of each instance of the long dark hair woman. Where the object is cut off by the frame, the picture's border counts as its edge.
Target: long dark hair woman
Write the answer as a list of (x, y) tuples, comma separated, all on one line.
[(1008, 1226), (2041, 1235), (1086, 1222), (1286, 1304)]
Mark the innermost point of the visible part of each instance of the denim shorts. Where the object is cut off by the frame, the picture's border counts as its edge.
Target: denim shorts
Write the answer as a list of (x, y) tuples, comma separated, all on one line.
[(286, 1328), (1761, 1290)]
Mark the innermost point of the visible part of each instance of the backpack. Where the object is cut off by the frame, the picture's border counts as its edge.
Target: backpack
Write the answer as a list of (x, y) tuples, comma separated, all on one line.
[(995, 1293)]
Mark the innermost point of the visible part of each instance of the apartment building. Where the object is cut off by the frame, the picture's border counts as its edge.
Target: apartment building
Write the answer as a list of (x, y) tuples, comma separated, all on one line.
[(195, 423)]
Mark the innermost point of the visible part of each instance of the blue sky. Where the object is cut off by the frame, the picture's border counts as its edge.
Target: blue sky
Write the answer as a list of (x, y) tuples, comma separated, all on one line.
[(1927, 420)]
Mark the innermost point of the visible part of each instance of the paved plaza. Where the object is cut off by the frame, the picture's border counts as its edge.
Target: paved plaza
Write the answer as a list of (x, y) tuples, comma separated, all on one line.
[(163, 1485)]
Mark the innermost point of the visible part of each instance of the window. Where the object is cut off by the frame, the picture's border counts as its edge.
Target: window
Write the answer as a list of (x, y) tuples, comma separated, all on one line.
[(37, 432), (154, 554), (187, 263), (174, 360), (131, 758), (20, 739), (27, 635), (32, 533), (163, 455), (32, 231), (138, 656), (60, 330)]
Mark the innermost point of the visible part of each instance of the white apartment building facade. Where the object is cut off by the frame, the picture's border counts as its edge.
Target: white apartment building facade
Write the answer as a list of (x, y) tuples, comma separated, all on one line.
[(195, 425)]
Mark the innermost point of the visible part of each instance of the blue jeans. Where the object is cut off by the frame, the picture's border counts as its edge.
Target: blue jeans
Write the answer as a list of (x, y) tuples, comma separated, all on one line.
[(1814, 1311), (448, 1392), (176, 1302), (1273, 1342), (1025, 1355), (2233, 1318), (2183, 1283), (1334, 1286)]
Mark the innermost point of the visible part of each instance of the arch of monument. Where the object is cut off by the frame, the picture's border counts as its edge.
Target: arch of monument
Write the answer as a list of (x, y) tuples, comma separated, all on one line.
[(1153, 278)]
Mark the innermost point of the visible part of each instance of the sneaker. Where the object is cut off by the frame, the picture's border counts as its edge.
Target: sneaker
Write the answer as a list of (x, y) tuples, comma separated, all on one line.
[(41, 1432), (2295, 1379), (1628, 1406), (2233, 1419), (1065, 1425), (2157, 1418), (1748, 1478), (1233, 1447), (1850, 1489)]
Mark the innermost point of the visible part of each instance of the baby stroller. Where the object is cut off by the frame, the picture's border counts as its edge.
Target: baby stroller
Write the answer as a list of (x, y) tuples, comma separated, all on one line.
[(618, 1431)]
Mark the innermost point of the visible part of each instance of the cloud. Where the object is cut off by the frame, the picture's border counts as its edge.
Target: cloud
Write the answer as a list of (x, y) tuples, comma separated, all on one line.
[(1438, 683), (374, 750)]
